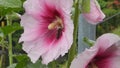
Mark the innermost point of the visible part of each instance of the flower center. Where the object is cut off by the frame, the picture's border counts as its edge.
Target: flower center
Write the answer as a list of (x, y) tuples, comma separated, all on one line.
[(58, 25)]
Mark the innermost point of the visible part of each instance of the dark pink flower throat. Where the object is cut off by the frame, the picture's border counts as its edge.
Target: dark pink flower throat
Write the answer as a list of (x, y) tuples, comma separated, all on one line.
[(54, 22), (58, 25)]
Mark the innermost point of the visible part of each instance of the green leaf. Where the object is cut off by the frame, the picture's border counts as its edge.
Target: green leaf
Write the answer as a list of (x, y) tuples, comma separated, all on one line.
[(2, 11), (8, 6), (10, 28), (64, 65), (13, 16), (22, 64), (117, 31), (21, 57), (12, 66), (109, 11), (85, 6), (22, 61), (11, 3), (38, 64)]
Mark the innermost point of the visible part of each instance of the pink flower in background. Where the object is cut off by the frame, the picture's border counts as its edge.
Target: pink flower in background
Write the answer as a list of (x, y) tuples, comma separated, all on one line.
[(95, 15), (104, 54), (48, 29)]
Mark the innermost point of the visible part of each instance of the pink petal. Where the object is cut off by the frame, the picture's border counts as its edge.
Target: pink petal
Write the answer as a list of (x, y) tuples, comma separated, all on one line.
[(51, 3), (27, 20), (34, 7), (35, 51), (111, 62), (103, 52), (105, 41), (27, 46), (83, 59), (69, 29), (111, 57), (95, 15), (51, 55), (30, 26), (57, 49), (66, 5)]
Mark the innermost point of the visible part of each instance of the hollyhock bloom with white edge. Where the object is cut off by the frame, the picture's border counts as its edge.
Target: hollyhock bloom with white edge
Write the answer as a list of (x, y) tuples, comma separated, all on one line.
[(48, 29), (104, 54), (95, 15)]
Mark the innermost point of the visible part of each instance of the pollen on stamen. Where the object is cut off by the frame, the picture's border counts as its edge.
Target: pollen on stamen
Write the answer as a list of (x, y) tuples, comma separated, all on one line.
[(56, 24), (52, 25)]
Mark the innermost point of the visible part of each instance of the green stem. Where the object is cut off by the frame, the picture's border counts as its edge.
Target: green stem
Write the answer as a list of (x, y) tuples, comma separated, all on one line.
[(10, 49), (2, 58), (0, 62), (73, 50), (9, 22), (54, 64), (88, 41)]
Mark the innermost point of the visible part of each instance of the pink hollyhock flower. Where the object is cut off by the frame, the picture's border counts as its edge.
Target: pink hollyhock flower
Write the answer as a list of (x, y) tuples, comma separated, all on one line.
[(95, 15), (104, 54), (48, 29)]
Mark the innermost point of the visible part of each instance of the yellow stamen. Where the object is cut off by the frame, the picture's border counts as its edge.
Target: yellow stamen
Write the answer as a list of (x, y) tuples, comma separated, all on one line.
[(56, 24)]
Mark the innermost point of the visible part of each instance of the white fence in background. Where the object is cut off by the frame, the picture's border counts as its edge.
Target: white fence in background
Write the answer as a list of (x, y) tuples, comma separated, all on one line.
[(85, 30)]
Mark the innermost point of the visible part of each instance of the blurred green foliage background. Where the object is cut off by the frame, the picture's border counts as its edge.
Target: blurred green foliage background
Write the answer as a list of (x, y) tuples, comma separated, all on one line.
[(110, 8)]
